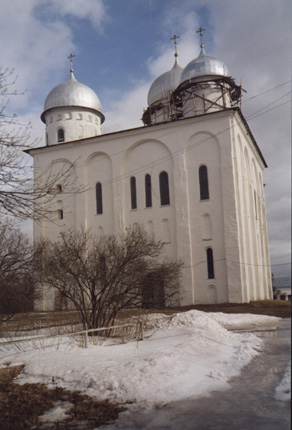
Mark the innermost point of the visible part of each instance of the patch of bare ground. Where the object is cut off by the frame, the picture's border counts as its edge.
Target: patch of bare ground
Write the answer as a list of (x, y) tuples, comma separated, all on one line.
[(22, 405)]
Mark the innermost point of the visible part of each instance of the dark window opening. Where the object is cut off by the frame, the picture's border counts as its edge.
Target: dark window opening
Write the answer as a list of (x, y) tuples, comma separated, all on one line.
[(98, 190), (210, 263), (61, 135), (153, 291), (59, 188), (204, 186), (60, 214), (148, 194), (164, 189), (133, 193)]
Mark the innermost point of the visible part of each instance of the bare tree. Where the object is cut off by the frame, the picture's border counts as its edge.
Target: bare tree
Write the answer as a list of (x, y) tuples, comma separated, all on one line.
[(16, 281), (19, 196), (102, 276)]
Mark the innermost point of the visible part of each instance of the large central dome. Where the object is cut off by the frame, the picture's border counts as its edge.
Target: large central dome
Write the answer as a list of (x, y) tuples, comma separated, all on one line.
[(72, 93), (204, 65)]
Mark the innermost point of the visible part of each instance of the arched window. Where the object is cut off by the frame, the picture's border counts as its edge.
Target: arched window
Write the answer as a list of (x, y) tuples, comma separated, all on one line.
[(98, 191), (148, 194), (210, 263), (164, 189), (204, 186), (61, 135), (133, 193)]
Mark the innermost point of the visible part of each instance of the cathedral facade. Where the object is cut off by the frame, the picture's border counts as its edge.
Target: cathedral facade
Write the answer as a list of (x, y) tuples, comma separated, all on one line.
[(192, 175)]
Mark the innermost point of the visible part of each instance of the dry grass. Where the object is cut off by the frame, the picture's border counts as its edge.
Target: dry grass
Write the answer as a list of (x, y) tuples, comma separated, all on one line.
[(22, 405), (277, 308)]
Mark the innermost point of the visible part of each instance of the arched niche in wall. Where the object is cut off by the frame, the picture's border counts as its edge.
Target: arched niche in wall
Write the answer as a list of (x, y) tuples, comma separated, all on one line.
[(100, 232), (80, 131), (206, 225), (212, 294), (150, 227), (165, 236)]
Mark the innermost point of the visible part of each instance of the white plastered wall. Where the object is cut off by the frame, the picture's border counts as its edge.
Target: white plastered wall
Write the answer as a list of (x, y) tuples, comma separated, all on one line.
[(188, 225)]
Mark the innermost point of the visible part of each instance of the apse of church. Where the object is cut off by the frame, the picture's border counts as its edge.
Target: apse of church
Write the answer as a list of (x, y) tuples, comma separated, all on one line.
[(192, 175)]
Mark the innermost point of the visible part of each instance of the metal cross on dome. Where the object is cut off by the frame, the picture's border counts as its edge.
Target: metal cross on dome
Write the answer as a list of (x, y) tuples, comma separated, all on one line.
[(175, 44), (201, 34), (71, 61)]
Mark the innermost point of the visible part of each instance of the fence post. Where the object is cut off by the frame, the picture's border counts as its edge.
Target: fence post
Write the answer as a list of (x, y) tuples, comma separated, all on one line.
[(142, 329), (86, 337)]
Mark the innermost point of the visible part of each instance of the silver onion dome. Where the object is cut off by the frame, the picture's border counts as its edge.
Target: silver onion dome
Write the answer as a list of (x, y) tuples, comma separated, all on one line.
[(72, 93), (165, 84), (204, 65)]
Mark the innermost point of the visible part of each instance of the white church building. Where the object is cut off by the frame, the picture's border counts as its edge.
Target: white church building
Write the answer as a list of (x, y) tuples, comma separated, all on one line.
[(192, 175)]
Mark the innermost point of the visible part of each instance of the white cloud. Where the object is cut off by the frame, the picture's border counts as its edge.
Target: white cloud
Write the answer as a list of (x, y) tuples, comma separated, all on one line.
[(127, 111), (93, 10)]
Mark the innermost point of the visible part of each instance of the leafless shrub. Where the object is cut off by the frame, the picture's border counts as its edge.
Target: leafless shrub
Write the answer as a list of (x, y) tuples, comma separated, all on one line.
[(102, 276), (16, 281)]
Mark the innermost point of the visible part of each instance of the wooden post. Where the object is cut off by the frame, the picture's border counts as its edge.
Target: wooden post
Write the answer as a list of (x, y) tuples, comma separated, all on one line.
[(86, 337), (142, 329)]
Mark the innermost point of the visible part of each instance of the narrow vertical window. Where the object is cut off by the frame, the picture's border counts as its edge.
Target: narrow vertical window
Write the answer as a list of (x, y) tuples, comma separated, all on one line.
[(60, 214), (204, 186), (255, 204), (148, 194), (98, 190), (164, 189), (133, 193), (61, 135), (210, 263)]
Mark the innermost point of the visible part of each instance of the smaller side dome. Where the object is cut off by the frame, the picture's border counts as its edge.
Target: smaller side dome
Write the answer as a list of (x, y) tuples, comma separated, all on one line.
[(165, 84), (72, 93), (204, 65)]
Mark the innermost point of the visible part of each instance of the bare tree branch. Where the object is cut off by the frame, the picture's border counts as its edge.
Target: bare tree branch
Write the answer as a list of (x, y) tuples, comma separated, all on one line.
[(19, 196)]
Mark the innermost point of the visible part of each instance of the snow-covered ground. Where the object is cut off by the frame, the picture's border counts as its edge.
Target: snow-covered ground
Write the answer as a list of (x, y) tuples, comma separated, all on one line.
[(186, 355)]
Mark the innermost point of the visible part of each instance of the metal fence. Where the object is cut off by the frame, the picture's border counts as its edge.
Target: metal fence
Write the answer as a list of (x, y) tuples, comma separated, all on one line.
[(139, 325)]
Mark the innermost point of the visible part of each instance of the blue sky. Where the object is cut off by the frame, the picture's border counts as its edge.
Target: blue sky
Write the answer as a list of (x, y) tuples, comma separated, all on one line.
[(121, 46)]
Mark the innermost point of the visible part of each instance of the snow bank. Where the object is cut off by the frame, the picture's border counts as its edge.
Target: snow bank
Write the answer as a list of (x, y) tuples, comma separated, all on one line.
[(245, 321), (186, 355)]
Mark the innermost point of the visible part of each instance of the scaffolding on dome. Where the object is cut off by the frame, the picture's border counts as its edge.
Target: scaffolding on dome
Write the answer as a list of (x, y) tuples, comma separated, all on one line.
[(171, 109)]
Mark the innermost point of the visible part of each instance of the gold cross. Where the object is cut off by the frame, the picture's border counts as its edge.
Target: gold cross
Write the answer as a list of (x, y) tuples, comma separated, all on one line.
[(201, 34), (71, 61), (175, 44)]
